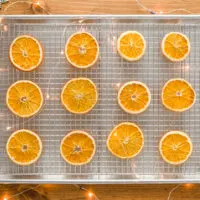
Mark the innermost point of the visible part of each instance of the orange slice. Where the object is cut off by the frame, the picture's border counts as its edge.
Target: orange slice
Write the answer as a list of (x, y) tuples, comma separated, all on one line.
[(77, 148), (24, 147), (178, 95), (175, 46), (26, 53), (175, 147), (79, 95), (82, 50), (134, 97), (24, 98), (125, 140), (131, 45)]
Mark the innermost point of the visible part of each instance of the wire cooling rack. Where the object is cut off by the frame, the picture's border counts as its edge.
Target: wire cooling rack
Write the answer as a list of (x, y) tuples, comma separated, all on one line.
[(53, 122)]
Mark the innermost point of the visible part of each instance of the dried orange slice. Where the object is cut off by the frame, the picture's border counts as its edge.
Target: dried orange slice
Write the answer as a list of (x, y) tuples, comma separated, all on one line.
[(24, 147), (77, 148), (178, 95), (134, 97), (79, 95), (175, 46), (82, 50), (125, 140), (131, 45), (24, 98), (175, 147), (26, 53)]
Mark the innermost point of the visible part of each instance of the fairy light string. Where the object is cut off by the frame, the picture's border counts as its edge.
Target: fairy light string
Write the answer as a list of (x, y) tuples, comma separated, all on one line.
[(139, 3), (34, 5), (173, 190), (144, 7), (20, 193), (14, 3), (90, 194), (39, 5)]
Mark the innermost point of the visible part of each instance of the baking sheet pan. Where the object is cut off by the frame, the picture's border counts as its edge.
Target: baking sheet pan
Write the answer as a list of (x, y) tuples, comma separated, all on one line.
[(53, 122)]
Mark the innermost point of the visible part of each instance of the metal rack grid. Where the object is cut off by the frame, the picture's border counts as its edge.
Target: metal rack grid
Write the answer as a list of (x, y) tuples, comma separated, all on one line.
[(53, 122)]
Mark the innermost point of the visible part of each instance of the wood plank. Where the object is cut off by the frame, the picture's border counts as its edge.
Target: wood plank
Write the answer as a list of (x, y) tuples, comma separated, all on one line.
[(106, 192), (106, 6), (127, 192)]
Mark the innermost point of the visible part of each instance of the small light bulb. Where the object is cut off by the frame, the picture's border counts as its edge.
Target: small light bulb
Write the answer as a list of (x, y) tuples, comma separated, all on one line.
[(114, 38), (5, 28), (80, 21), (47, 96), (188, 185), (8, 128), (117, 85), (4, 198), (161, 12), (38, 3), (62, 52), (113, 41), (187, 67), (3, 70), (134, 165), (90, 194)]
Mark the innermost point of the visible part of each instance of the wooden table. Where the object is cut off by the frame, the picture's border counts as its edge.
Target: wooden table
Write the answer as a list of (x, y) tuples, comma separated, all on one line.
[(103, 192), (117, 192), (106, 6), (126, 192)]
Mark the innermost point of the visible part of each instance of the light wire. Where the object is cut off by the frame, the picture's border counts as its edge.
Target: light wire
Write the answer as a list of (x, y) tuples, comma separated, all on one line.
[(85, 189), (139, 3), (20, 193), (173, 190), (28, 2), (166, 12)]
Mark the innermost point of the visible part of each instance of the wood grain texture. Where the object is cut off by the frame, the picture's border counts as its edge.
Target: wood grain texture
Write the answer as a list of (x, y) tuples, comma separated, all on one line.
[(106, 6), (107, 192), (126, 192)]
